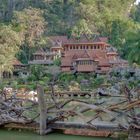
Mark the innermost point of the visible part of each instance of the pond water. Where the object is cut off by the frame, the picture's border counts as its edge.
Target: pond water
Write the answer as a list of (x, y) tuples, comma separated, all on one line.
[(16, 135)]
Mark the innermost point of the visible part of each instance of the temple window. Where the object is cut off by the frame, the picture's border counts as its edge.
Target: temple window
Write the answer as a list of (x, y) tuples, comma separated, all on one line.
[(94, 47), (70, 47), (98, 68), (83, 62), (98, 47), (114, 58), (91, 47), (78, 62), (81, 47), (77, 47), (90, 62)]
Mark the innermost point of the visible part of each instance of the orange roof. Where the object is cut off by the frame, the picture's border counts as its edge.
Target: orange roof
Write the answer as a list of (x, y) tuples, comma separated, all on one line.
[(83, 68), (94, 55), (103, 39), (103, 62), (66, 61), (88, 53), (82, 39)]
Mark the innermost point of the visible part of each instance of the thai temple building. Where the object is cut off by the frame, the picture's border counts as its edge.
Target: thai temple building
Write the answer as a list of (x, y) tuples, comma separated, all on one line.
[(87, 55), (42, 57), (57, 45), (84, 55)]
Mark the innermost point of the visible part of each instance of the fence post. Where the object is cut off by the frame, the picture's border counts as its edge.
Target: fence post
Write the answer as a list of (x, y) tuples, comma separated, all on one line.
[(42, 110)]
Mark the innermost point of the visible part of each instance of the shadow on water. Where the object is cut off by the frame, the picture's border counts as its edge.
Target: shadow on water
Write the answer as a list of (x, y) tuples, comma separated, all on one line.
[(16, 135)]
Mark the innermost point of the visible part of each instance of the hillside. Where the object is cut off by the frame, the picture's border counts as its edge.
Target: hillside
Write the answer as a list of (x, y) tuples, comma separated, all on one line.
[(26, 25)]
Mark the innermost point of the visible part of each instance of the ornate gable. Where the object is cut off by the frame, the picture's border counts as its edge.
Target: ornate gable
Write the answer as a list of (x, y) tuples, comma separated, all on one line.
[(75, 56), (85, 55)]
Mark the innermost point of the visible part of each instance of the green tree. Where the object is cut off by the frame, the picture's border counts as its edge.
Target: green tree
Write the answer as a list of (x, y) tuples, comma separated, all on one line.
[(80, 28), (119, 31), (99, 14), (36, 72), (9, 46), (31, 25), (135, 14), (59, 14), (132, 48)]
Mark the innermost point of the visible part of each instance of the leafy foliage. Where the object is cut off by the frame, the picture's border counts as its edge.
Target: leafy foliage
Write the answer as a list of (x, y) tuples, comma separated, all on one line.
[(9, 45), (133, 47), (112, 18), (31, 25)]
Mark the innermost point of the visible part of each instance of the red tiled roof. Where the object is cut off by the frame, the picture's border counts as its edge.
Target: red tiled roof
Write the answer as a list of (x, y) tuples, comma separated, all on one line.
[(103, 62), (39, 52), (66, 61), (72, 40), (91, 53), (58, 38), (103, 39), (96, 55), (83, 68)]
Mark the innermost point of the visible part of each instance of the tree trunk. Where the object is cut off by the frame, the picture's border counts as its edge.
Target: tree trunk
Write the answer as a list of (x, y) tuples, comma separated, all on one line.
[(42, 110), (1, 77)]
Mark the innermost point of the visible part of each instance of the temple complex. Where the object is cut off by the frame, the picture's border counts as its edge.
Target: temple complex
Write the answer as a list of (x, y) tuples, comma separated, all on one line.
[(87, 55)]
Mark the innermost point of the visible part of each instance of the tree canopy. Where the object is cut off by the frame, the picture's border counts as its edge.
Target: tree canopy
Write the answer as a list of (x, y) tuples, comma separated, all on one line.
[(114, 19), (9, 46)]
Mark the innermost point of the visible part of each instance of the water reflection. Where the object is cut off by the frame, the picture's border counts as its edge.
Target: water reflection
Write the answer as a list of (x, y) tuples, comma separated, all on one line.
[(15, 135)]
